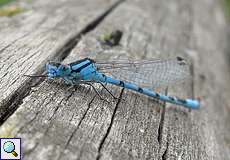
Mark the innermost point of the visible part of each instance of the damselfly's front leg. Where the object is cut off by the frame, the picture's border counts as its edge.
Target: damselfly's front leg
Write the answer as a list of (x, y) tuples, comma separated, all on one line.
[(72, 80), (68, 81)]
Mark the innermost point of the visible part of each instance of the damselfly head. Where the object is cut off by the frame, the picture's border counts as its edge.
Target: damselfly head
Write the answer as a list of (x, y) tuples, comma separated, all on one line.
[(57, 69)]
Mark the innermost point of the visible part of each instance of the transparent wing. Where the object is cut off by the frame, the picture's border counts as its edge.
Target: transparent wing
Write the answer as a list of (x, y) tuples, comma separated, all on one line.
[(146, 73)]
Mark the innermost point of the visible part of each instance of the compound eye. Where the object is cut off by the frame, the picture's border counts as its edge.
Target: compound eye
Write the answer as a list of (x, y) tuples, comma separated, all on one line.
[(64, 68)]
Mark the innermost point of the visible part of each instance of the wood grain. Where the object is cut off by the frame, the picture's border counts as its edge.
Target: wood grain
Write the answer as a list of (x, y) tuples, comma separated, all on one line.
[(57, 121), (43, 33)]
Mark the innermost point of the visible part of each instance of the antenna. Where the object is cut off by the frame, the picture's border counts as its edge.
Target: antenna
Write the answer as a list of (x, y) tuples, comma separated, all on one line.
[(34, 76)]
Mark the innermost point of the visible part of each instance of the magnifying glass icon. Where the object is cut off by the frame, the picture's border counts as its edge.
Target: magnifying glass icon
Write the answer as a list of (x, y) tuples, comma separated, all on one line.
[(9, 147)]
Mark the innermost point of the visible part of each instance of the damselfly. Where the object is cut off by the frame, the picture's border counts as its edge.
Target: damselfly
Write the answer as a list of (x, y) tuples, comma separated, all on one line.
[(138, 75)]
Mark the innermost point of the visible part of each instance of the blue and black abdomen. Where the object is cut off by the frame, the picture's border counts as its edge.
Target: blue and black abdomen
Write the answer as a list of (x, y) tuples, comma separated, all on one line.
[(185, 102)]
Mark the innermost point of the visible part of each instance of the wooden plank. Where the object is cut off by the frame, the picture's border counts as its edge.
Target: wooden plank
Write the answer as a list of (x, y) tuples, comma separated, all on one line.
[(212, 79), (61, 122), (152, 137), (88, 121), (203, 134), (45, 32)]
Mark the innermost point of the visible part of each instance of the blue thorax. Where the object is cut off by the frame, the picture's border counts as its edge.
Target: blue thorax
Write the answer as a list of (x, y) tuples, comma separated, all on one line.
[(83, 69)]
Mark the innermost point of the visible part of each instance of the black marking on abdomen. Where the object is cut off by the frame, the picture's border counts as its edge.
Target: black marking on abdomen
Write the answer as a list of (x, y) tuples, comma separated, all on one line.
[(122, 83), (104, 76), (157, 95), (140, 90), (182, 100), (172, 98)]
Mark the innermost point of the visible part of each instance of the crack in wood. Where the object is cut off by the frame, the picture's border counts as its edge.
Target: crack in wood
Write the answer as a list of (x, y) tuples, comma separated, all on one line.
[(10, 105), (16, 99), (97, 21), (66, 49), (165, 152), (75, 130), (46, 131), (1, 78), (36, 114), (110, 125), (161, 126), (58, 105), (28, 152)]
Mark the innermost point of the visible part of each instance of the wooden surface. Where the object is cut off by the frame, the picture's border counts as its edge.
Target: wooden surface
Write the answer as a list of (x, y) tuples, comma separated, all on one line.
[(57, 121), (45, 32)]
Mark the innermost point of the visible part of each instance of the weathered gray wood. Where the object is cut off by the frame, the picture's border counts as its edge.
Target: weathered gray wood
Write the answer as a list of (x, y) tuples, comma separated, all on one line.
[(210, 126), (38, 35), (57, 121), (129, 136), (211, 81)]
